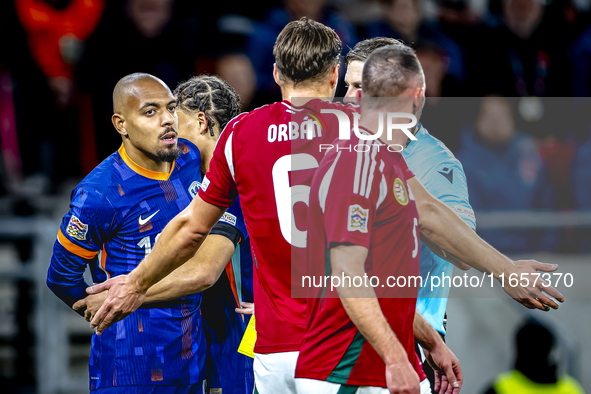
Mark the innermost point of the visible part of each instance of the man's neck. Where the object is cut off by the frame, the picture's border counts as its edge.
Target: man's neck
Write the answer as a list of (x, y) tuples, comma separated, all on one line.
[(289, 93), (143, 160), (206, 155)]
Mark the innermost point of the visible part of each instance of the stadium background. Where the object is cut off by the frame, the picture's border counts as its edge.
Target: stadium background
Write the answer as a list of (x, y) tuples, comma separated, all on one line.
[(60, 60)]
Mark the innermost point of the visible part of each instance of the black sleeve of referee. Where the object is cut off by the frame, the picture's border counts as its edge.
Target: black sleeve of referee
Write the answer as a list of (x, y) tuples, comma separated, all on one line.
[(228, 231)]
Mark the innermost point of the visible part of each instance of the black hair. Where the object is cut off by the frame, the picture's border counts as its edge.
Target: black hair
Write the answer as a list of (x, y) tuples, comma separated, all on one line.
[(210, 95)]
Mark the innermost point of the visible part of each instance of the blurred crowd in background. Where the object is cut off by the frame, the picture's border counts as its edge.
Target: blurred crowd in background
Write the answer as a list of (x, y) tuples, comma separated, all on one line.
[(60, 60)]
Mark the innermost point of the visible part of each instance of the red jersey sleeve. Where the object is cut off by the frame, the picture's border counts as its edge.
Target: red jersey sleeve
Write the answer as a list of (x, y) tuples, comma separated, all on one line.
[(219, 186)]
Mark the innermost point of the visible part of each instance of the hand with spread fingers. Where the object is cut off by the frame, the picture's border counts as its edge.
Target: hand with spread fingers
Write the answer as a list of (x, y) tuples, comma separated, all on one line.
[(531, 287)]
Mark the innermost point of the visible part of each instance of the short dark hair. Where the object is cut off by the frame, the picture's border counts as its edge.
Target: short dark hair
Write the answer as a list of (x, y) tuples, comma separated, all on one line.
[(211, 95), (306, 50), (362, 49), (390, 70)]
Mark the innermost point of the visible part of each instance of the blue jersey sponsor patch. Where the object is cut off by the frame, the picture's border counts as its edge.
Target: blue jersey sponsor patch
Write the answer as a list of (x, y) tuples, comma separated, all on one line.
[(228, 218)]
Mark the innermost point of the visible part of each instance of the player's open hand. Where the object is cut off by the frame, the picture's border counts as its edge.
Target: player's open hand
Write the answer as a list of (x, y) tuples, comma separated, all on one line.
[(528, 287), (124, 297), (402, 378), (247, 308), (448, 374), (92, 303)]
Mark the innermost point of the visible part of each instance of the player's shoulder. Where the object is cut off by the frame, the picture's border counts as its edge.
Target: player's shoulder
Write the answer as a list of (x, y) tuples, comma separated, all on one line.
[(264, 111), (328, 104), (435, 146), (236, 124), (91, 197), (107, 185), (101, 178), (237, 119), (190, 154), (429, 153)]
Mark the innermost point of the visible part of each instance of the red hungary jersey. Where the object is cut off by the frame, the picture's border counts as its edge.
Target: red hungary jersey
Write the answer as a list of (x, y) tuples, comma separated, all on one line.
[(360, 198), (268, 156)]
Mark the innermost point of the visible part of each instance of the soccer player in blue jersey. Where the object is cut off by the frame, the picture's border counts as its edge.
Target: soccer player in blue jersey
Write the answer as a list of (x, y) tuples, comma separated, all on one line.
[(440, 173), (116, 215), (204, 100)]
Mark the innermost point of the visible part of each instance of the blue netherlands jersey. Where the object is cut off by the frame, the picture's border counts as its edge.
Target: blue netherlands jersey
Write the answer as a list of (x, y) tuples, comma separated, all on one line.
[(116, 216), (443, 176), (228, 370)]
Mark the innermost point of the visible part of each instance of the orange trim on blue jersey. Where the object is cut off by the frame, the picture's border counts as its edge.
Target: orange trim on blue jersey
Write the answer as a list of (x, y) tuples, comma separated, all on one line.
[(104, 262), (73, 248), (230, 273), (158, 176)]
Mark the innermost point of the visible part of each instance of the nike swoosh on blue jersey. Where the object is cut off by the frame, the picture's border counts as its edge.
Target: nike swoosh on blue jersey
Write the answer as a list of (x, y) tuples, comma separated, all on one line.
[(144, 221)]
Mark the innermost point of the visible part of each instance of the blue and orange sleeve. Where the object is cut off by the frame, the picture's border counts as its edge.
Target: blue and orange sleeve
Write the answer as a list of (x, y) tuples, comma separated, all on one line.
[(79, 239)]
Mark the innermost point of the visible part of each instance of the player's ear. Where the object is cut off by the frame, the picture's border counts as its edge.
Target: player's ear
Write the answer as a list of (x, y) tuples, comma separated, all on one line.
[(334, 76), (276, 74), (202, 123), (418, 99), (119, 123)]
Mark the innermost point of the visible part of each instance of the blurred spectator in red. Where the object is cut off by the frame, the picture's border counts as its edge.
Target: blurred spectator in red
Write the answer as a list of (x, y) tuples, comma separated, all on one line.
[(56, 31), (403, 20), (151, 36), (267, 30), (558, 157), (505, 173)]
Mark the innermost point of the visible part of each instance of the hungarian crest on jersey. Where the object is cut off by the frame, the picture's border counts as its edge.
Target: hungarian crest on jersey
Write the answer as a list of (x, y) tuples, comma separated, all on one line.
[(400, 192)]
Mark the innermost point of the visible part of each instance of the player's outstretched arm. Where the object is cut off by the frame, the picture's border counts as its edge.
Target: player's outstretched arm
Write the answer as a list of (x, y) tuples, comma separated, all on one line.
[(179, 241), (441, 225), (448, 375), (438, 250), (364, 310), (197, 274)]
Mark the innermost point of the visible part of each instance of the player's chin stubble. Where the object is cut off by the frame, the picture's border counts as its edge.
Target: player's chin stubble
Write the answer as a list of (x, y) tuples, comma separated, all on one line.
[(169, 155)]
